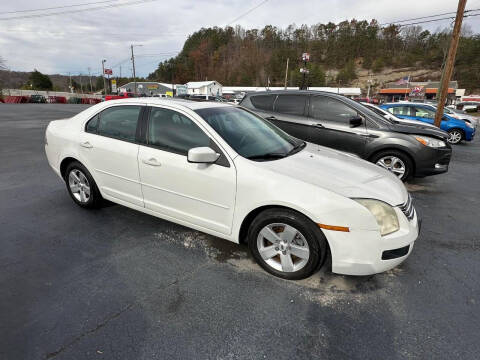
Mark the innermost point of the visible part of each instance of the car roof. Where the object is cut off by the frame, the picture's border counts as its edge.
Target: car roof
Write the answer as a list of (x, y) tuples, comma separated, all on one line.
[(180, 103), (295, 92)]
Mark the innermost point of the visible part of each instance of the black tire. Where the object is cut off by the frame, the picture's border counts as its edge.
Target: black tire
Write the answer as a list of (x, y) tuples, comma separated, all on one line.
[(95, 198), (455, 136), (317, 243), (407, 161)]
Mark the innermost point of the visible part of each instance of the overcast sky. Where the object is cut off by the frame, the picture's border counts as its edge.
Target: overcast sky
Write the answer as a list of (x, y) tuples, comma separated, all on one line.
[(74, 42)]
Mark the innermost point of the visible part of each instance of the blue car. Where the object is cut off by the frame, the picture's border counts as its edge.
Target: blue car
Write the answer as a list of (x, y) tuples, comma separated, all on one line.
[(457, 129)]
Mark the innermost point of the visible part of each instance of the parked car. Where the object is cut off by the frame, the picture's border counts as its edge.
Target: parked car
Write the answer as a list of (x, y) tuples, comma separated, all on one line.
[(457, 114), (338, 122), (392, 117), (225, 171), (195, 97), (468, 106), (458, 130), (122, 95)]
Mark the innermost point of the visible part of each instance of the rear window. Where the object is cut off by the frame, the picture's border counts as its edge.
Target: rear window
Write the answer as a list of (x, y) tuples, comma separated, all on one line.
[(263, 102), (291, 104)]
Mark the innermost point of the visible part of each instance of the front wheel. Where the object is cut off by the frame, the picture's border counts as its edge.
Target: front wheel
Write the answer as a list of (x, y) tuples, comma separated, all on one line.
[(396, 162), (455, 136), (286, 244)]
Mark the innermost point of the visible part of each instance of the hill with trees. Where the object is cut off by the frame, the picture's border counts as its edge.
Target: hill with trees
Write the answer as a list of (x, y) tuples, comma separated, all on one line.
[(343, 54)]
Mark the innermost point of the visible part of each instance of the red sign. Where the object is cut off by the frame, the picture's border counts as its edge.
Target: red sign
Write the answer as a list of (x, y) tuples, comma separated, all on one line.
[(108, 72), (306, 57)]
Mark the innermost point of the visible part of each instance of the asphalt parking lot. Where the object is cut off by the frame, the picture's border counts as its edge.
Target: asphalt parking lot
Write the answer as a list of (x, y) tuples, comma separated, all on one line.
[(117, 284)]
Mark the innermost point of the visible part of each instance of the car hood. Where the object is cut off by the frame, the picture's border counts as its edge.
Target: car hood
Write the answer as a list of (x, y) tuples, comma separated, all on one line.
[(419, 129), (341, 173)]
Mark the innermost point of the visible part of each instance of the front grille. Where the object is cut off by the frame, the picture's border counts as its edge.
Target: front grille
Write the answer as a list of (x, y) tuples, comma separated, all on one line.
[(408, 208)]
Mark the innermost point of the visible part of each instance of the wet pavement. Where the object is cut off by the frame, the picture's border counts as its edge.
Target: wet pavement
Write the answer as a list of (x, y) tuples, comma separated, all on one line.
[(118, 284)]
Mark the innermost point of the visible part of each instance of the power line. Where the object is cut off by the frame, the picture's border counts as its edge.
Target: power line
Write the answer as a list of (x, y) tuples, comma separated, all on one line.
[(247, 12), (58, 7), (427, 17), (78, 10), (445, 18)]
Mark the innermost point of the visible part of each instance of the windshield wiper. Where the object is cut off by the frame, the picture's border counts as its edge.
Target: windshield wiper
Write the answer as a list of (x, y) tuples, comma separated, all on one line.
[(267, 156), (297, 148)]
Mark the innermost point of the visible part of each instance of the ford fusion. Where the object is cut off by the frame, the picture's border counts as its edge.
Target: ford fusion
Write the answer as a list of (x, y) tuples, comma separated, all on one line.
[(227, 172)]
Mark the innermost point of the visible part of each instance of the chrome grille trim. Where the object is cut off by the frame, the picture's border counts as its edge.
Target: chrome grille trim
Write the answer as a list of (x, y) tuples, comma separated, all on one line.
[(408, 209)]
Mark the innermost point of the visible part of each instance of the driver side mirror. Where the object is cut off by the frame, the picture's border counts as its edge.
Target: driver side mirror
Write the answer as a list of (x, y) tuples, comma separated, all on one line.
[(355, 121), (202, 155)]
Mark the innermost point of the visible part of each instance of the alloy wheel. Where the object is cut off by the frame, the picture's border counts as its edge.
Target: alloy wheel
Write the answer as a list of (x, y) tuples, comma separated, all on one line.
[(393, 164), (79, 186), (454, 137), (283, 247)]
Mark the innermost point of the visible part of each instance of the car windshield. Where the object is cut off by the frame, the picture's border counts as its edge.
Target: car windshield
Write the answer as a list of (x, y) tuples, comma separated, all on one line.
[(249, 135)]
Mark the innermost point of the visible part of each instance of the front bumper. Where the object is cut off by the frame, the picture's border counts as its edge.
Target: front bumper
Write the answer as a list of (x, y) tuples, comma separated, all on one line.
[(360, 252), (470, 134), (432, 161)]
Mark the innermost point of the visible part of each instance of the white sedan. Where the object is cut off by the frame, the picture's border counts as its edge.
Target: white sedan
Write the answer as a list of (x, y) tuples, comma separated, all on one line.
[(227, 172)]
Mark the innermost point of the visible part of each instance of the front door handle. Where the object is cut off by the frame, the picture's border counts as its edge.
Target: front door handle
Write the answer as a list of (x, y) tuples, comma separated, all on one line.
[(320, 126), (152, 162), (86, 144), (271, 118)]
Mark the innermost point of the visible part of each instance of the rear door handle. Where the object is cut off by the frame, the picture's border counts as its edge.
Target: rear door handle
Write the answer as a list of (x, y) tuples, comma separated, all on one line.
[(152, 162), (320, 126), (271, 118), (86, 144)]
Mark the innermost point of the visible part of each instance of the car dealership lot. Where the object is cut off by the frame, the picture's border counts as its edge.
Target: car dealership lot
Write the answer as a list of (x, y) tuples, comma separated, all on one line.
[(115, 283)]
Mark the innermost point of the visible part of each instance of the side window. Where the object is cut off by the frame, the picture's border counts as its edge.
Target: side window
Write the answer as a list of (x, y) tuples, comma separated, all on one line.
[(291, 104), (326, 108), (174, 132), (92, 124), (425, 113), (400, 110), (263, 102), (119, 122)]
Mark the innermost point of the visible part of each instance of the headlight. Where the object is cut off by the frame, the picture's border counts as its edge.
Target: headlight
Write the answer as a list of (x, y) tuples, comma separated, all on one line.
[(384, 214), (468, 123), (430, 142)]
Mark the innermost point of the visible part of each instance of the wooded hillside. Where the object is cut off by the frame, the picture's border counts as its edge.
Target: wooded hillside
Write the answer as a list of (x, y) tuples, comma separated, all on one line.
[(236, 56)]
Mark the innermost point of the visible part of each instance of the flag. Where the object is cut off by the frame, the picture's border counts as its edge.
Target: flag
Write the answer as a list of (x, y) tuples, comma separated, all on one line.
[(403, 81)]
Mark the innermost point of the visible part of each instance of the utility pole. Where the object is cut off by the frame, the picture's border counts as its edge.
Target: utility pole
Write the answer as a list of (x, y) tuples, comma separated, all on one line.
[(81, 84), (103, 76), (448, 70), (70, 76), (134, 76), (90, 77), (286, 74)]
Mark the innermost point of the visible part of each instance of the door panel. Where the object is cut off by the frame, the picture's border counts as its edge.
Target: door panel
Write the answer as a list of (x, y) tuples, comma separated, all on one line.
[(201, 194), (113, 161), (289, 115), (331, 126)]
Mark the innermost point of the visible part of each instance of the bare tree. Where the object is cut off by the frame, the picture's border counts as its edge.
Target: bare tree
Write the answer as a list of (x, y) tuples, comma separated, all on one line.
[(2, 64)]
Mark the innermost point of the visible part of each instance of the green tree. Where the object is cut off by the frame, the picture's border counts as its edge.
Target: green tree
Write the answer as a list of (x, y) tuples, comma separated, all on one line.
[(347, 73), (40, 81), (378, 65)]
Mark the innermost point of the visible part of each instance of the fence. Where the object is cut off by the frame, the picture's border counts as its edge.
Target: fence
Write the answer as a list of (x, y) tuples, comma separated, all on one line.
[(18, 96)]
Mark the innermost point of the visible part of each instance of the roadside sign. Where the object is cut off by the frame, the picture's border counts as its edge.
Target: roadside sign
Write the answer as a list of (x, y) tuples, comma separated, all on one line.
[(304, 71), (169, 93), (108, 72), (114, 85), (417, 92), (306, 57), (181, 90)]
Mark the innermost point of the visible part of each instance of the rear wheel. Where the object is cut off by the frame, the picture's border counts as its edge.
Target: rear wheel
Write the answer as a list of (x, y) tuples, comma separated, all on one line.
[(81, 186), (396, 162), (455, 136), (286, 243)]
